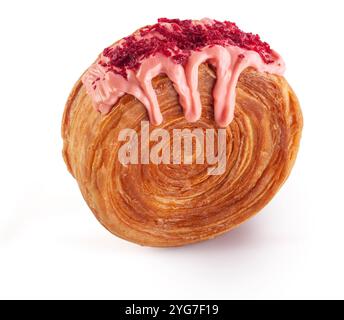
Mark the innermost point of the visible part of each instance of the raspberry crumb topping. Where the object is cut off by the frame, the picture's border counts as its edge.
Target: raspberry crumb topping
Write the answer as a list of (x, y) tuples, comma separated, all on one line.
[(176, 39)]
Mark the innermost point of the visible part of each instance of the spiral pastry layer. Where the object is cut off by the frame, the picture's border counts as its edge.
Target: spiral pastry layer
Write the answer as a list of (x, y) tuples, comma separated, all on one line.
[(172, 205)]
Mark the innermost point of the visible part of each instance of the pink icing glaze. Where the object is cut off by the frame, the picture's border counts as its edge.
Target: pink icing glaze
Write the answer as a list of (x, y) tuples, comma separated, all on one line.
[(229, 62)]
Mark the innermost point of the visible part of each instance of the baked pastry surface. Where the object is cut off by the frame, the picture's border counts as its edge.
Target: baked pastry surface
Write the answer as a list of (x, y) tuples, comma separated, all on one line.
[(173, 205)]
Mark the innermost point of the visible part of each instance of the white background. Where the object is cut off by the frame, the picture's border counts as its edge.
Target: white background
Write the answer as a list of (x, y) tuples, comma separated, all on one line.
[(51, 246)]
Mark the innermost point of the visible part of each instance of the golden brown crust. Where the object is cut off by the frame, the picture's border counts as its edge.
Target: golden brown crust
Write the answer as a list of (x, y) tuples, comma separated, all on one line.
[(173, 205)]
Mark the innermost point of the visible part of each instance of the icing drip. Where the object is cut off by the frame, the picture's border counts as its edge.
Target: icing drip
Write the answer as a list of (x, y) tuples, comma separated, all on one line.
[(106, 86)]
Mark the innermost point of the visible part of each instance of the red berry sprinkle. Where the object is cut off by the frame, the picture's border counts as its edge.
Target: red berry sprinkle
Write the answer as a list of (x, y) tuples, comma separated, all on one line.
[(176, 39)]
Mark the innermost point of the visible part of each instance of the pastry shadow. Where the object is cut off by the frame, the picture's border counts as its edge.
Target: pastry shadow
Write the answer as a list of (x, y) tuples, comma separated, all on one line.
[(246, 235), (249, 235)]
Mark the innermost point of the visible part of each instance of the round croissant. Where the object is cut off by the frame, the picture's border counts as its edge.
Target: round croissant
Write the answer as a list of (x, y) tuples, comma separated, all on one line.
[(173, 205)]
